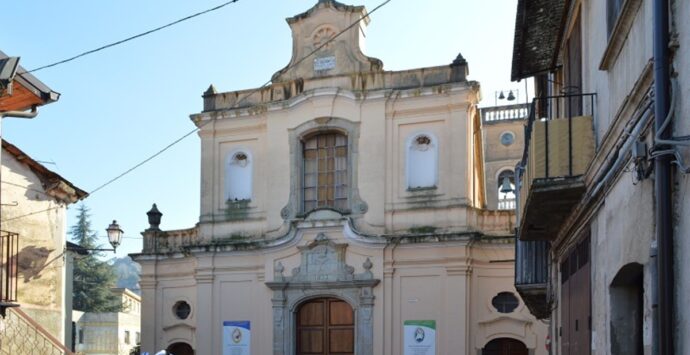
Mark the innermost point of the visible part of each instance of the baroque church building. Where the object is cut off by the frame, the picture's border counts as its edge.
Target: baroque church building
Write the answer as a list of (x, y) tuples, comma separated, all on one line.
[(343, 211)]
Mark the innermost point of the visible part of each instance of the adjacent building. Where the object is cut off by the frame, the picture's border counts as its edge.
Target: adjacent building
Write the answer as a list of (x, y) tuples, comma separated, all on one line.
[(602, 215), (112, 333), (502, 133), (343, 210), (34, 274), (34, 281)]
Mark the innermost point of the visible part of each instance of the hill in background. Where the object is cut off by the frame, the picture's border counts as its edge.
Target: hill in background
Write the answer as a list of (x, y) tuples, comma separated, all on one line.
[(127, 272)]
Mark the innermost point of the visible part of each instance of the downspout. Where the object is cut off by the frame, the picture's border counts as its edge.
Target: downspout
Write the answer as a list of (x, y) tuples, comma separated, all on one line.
[(663, 179)]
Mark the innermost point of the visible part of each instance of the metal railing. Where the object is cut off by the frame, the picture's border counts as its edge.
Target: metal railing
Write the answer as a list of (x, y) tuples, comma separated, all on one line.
[(531, 262), (9, 247), (556, 107), (505, 113), (21, 335)]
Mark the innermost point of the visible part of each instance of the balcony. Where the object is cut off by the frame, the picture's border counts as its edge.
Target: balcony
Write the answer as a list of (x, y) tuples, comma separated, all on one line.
[(531, 276), (9, 247), (496, 114), (559, 145), (506, 204)]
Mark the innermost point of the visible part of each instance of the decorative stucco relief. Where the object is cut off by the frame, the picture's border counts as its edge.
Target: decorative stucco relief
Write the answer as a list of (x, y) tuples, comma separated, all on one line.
[(322, 273)]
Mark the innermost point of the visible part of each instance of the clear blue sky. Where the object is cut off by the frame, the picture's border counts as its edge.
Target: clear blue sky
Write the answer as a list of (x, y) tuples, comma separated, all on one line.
[(123, 104)]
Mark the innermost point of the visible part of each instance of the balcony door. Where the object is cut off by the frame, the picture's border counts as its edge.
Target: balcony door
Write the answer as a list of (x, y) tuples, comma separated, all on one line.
[(325, 326), (573, 71)]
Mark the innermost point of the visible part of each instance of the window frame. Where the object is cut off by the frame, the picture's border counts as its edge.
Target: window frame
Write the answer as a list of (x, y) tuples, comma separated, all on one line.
[(618, 34), (294, 209), (315, 136), (500, 303)]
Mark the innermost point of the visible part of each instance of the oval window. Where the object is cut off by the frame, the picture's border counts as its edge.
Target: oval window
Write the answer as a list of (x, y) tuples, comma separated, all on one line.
[(182, 310), (505, 302), (507, 138)]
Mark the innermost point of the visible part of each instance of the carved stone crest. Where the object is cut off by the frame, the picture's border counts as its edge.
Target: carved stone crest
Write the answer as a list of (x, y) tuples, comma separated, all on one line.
[(322, 272)]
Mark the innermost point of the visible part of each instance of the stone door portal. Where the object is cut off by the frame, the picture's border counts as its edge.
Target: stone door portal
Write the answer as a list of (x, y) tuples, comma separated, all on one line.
[(325, 326), (317, 306)]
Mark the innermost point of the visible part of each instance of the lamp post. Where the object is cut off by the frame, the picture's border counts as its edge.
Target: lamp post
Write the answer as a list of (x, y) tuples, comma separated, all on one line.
[(114, 238), (114, 234)]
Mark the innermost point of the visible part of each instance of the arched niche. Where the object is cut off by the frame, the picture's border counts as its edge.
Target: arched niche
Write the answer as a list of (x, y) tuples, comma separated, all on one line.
[(238, 175), (421, 161)]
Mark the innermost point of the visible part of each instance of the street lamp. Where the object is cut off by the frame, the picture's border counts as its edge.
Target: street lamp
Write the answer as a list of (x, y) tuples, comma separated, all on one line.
[(114, 238), (114, 234)]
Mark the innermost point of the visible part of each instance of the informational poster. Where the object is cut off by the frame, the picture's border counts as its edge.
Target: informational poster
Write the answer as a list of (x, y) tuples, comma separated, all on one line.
[(236, 338), (420, 337)]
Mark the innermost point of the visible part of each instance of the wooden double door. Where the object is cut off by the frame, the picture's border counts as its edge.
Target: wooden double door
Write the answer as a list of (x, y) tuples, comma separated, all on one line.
[(325, 326), (505, 346)]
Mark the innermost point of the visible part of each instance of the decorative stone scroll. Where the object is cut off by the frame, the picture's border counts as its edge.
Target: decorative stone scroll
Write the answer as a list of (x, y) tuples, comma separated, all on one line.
[(322, 273)]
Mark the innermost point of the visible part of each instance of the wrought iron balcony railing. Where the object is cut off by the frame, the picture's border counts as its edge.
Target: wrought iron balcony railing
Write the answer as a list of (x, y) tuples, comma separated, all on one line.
[(531, 262)]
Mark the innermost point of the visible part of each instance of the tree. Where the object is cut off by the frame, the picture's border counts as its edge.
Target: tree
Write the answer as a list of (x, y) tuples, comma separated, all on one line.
[(93, 278)]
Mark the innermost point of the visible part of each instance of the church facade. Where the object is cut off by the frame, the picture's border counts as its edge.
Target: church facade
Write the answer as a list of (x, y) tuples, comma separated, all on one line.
[(343, 211)]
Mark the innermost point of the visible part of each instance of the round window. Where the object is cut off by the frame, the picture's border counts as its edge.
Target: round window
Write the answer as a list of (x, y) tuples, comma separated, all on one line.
[(182, 309), (507, 138), (505, 302)]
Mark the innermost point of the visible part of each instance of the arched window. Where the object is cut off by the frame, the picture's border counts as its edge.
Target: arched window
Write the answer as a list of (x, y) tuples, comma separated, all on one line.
[(506, 190), (238, 176), (422, 161), (325, 171)]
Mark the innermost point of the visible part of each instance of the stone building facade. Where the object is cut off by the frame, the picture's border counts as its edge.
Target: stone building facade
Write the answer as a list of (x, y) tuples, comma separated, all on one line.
[(338, 203), (110, 333), (603, 217), (34, 210)]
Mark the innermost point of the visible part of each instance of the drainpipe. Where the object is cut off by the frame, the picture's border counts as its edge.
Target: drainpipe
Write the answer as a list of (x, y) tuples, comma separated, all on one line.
[(20, 114), (663, 180)]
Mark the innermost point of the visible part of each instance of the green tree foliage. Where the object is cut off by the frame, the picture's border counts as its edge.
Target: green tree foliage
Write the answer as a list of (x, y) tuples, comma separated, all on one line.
[(93, 278)]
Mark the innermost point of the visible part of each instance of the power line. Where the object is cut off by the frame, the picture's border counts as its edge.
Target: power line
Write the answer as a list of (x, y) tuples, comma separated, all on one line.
[(161, 151), (239, 101), (133, 37), (144, 161), (31, 213), (28, 188)]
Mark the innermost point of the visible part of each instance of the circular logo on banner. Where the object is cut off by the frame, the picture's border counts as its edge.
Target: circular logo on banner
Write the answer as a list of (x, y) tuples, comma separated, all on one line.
[(236, 335), (419, 335)]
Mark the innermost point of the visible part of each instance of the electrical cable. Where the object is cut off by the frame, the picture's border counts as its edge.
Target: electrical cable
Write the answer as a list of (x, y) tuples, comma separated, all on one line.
[(239, 101), (133, 37), (159, 152), (27, 188), (31, 213)]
